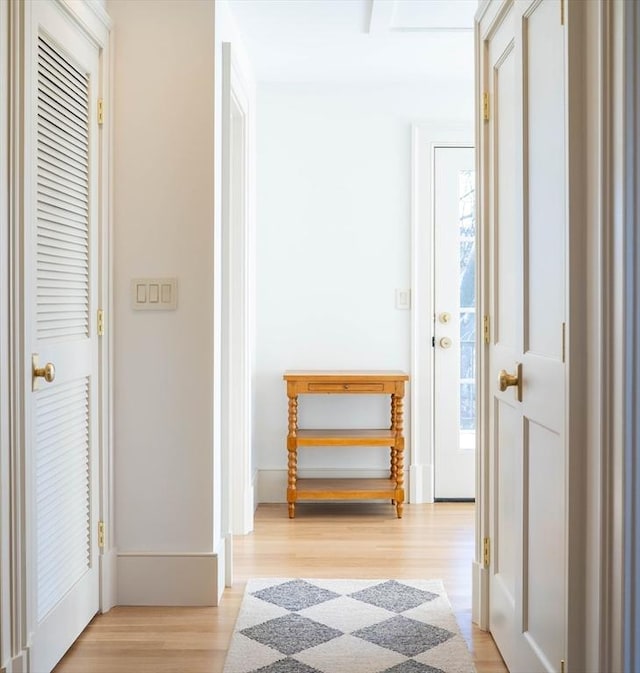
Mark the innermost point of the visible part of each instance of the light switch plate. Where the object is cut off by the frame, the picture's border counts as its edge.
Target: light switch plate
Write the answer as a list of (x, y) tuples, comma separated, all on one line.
[(154, 294), (403, 299)]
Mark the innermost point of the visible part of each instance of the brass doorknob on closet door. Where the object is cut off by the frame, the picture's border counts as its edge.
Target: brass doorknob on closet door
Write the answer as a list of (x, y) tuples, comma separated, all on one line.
[(506, 380), (48, 372), (445, 342)]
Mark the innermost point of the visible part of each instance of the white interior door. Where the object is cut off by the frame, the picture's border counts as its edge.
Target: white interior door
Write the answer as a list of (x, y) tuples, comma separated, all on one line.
[(525, 193), (61, 269), (455, 322)]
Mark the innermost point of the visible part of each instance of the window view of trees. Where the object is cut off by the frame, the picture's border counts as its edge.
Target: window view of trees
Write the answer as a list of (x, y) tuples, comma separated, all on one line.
[(467, 248)]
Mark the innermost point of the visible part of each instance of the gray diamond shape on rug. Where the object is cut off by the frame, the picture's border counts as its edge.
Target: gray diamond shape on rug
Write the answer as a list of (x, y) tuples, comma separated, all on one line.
[(288, 666), (295, 595), (403, 635), (413, 666), (291, 633), (394, 596)]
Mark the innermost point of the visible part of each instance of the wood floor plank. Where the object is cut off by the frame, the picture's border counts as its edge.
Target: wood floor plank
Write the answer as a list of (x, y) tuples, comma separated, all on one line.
[(326, 540)]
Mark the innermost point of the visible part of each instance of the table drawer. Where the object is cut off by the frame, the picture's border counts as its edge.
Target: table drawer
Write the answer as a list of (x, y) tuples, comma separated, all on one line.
[(346, 387)]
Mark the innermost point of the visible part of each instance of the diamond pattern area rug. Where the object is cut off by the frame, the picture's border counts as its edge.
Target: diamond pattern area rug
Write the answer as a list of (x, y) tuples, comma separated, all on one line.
[(346, 626)]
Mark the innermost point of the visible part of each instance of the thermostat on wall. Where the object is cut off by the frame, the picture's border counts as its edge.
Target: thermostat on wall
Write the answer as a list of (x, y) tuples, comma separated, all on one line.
[(154, 294)]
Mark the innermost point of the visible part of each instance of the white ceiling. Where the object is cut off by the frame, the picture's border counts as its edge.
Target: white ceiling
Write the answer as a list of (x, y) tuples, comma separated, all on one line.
[(358, 40)]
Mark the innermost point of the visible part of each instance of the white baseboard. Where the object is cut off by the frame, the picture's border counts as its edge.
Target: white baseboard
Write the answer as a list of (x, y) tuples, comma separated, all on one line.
[(169, 579), (480, 596), (421, 480), (272, 484), (108, 579)]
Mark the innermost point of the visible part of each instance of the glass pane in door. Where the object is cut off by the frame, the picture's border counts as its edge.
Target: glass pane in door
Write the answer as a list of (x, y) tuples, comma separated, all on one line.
[(467, 307)]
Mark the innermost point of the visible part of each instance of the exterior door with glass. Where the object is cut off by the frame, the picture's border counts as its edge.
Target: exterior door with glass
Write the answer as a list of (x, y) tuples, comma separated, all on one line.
[(455, 322)]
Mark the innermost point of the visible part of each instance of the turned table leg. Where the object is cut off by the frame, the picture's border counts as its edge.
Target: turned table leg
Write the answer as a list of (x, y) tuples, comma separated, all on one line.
[(399, 453), (394, 454), (292, 450)]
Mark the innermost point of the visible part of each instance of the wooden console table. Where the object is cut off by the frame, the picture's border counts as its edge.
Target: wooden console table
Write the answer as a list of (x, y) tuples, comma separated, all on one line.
[(346, 383)]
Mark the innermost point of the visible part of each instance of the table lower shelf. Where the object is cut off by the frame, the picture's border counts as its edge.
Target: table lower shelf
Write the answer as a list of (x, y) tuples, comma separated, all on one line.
[(346, 489)]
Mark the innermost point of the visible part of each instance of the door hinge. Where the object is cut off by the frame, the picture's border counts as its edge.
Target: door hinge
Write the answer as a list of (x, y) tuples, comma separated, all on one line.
[(101, 534), (100, 112), (562, 666), (485, 329), (100, 322), (486, 552), (564, 342), (485, 106), (433, 342), (562, 12)]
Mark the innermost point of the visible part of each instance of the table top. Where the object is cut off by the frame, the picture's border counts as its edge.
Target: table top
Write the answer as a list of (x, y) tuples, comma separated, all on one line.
[(349, 375)]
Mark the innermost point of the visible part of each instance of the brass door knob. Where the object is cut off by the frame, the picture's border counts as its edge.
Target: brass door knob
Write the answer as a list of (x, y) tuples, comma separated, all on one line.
[(48, 372), (445, 342), (444, 317), (506, 380)]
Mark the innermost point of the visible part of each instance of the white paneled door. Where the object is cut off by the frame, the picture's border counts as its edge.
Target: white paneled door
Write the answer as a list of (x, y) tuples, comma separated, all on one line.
[(61, 271), (455, 322), (524, 141)]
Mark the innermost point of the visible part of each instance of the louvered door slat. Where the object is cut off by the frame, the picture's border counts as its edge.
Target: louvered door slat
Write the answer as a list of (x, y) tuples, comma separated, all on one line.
[(49, 504), (53, 120), (65, 170), (63, 424), (50, 450), (54, 415), (50, 258), (66, 186), (52, 212), (55, 518), (64, 196), (50, 243), (58, 524), (63, 140), (63, 200), (62, 489), (65, 117), (64, 233), (48, 295), (50, 86), (56, 61)]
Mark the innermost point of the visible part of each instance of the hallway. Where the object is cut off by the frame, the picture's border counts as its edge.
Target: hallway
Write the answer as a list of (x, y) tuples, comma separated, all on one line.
[(330, 541)]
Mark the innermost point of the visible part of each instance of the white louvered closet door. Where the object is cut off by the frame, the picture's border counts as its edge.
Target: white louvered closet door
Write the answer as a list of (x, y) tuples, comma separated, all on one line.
[(62, 265)]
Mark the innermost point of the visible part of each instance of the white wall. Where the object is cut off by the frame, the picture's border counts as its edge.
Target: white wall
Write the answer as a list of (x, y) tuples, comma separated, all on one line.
[(164, 370), (333, 244)]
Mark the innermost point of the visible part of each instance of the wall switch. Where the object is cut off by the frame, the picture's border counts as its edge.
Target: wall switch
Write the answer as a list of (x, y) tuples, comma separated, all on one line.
[(154, 294), (403, 299)]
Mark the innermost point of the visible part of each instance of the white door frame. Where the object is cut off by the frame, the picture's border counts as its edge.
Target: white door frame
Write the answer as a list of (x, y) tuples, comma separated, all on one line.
[(237, 300), (426, 136), (16, 616), (631, 87), (5, 480)]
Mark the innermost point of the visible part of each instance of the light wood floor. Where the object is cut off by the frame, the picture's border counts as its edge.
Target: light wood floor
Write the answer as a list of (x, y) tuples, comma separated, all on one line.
[(326, 540)]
